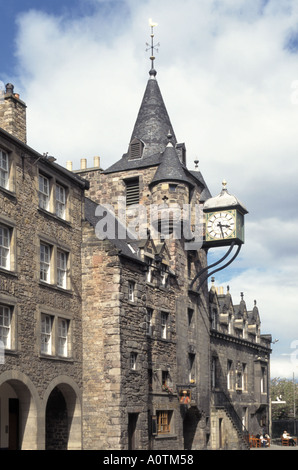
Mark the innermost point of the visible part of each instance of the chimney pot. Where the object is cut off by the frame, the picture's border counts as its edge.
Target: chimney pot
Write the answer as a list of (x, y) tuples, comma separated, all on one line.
[(9, 88)]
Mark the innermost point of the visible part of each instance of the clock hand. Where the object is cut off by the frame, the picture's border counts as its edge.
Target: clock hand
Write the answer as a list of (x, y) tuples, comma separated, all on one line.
[(220, 226)]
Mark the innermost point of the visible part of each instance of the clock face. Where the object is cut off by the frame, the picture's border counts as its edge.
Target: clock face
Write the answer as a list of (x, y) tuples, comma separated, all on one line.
[(220, 225)]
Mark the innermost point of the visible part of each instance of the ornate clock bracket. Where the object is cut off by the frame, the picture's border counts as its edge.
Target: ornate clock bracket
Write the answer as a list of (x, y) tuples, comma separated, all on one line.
[(222, 211), (199, 274)]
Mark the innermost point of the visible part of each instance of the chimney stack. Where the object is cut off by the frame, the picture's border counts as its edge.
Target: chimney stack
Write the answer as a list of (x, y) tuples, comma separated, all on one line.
[(13, 114), (96, 162), (69, 165)]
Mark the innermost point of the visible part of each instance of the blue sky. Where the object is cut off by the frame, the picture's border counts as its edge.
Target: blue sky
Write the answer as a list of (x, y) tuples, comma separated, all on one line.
[(228, 72)]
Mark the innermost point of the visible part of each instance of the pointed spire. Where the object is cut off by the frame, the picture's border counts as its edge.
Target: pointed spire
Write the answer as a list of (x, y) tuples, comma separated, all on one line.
[(170, 168), (153, 123)]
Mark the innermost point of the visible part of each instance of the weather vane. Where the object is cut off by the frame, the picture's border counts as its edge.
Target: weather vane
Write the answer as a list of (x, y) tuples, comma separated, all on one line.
[(152, 46)]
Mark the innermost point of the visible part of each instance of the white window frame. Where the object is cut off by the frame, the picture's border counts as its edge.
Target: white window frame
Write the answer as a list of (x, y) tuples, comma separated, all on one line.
[(5, 244), (149, 262), (60, 201), (164, 274), (133, 360), (263, 379), (5, 325), (63, 328), (149, 318), (191, 367), (62, 258), (43, 192), (4, 169), (45, 263), (46, 329), (229, 375), (164, 317), (131, 291)]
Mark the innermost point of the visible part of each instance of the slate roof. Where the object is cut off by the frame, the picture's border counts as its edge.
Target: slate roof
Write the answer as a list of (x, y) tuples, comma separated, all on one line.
[(153, 127), (153, 123), (170, 168), (122, 245)]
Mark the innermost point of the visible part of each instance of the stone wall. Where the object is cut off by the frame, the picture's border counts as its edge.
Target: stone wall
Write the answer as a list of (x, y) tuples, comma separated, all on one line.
[(20, 286)]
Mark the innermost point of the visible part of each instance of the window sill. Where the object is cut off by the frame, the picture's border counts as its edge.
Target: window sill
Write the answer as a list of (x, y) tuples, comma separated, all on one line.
[(53, 216), (7, 271), (55, 358), (166, 436), (56, 288), (11, 352), (10, 194)]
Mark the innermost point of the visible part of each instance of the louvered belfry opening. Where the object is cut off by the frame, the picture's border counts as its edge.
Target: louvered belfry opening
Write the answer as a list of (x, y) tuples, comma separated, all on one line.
[(135, 149), (132, 191)]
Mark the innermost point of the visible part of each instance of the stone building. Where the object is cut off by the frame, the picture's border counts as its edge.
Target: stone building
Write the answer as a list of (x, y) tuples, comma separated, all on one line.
[(164, 351), (41, 207), (108, 342)]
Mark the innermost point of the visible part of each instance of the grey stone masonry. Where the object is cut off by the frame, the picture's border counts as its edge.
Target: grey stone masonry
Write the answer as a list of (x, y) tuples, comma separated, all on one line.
[(13, 114)]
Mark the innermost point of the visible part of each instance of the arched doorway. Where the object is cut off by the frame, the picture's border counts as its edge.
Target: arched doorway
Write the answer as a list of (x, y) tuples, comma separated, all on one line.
[(63, 416), (56, 421), (18, 412), (190, 428)]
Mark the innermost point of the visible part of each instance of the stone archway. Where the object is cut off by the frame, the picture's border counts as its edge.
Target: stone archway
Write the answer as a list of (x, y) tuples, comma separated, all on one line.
[(63, 414), (20, 404)]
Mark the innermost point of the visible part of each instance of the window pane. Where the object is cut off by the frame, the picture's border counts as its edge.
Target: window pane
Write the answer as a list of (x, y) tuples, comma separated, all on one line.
[(5, 325), (46, 333), (133, 360), (61, 268), (163, 422), (45, 263), (60, 201), (164, 321), (3, 169), (131, 288), (44, 192), (4, 247), (62, 337), (149, 321)]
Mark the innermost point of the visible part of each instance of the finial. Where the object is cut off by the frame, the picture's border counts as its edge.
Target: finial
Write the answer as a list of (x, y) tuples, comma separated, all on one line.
[(153, 47), (224, 184), (196, 162), (242, 295)]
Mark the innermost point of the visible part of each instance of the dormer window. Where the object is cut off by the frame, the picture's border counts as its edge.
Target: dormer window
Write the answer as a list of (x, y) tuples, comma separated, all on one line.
[(135, 149)]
